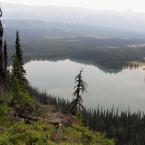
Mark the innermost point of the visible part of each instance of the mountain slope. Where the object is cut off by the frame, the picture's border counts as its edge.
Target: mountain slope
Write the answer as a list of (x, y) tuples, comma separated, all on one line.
[(128, 20)]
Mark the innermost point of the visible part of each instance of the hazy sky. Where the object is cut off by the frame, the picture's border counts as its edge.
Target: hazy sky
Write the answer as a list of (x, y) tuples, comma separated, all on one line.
[(136, 5)]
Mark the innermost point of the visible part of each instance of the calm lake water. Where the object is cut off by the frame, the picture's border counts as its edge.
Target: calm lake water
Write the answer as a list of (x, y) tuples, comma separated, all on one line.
[(125, 89)]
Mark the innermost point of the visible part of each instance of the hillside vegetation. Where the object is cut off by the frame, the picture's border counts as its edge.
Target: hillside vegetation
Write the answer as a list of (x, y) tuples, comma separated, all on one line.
[(26, 121), (14, 131), (30, 117)]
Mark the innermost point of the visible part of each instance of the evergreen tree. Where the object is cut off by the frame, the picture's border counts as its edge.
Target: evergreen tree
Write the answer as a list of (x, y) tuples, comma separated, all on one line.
[(1, 50), (5, 56), (2, 75), (18, 69), (80, 88), (19, 83), (19, 52)]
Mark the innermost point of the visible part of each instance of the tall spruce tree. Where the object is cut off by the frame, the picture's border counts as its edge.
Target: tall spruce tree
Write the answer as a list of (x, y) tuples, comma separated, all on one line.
[(19, 52), (5, 56), (1, 50), (18, 69), (2, 74), (80, 88)]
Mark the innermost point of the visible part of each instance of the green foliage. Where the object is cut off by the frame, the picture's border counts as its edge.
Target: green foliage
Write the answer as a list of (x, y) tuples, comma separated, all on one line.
[(40, 134), (126, 127), (5, 56), (18, 71), (4, 117), (83, 135), (1, 53), (21, 98)]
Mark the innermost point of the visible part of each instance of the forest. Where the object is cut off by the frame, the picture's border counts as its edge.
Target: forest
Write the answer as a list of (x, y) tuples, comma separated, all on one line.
[(96, 51), (27, 115)]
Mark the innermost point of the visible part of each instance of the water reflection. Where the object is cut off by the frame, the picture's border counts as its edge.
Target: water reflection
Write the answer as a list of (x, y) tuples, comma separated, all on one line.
[(124, 89)]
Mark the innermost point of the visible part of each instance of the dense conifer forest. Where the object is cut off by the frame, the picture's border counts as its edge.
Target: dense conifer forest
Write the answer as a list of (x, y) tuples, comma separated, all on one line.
[(124, 127)]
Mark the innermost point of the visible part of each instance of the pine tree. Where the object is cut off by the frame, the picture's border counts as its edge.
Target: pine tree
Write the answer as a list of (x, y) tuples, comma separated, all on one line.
[(80, 88), (18, 69), (1, 50), (19, 52), (5, 56), (18, 80), (2, 75)]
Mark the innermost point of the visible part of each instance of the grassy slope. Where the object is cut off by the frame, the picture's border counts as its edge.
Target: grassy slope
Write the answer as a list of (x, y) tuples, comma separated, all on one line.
[(15, 132)]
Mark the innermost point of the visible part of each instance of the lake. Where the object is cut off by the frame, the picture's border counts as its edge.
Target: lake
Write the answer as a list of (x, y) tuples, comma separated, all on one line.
[(124, 89)]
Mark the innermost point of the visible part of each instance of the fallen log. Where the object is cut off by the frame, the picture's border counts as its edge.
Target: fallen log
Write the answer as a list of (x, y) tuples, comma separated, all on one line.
[(29, 119)]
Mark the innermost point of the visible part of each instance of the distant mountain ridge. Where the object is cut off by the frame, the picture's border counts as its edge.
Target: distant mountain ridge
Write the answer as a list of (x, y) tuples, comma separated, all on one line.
[(129, 20)]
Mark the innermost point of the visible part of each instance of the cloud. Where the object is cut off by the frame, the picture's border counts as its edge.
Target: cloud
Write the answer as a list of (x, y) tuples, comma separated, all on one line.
[(121, 5)]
